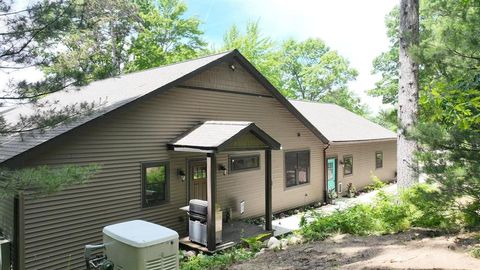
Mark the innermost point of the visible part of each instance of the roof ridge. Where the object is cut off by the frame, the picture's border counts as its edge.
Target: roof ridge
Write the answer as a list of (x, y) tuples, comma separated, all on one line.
[(313, 102), (152, 68), (180, 62)]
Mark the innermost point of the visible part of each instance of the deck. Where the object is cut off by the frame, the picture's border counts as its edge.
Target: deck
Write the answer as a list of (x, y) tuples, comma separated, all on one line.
[(232, 234)]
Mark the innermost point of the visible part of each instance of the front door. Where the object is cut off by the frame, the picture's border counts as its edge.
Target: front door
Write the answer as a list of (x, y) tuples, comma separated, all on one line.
[(198, 180), (331, 174)]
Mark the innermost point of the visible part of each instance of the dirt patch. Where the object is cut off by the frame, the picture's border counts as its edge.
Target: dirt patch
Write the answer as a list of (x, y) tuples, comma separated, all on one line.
[(416, 249)]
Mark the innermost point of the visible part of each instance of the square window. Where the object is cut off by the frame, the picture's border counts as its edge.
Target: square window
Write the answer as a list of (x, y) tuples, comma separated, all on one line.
[(297, 168)]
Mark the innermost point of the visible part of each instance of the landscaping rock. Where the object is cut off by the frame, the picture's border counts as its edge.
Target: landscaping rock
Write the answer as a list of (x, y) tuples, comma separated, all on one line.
[(274, 244), (260, 252), (284, 243), (295, 240), (189, 254)]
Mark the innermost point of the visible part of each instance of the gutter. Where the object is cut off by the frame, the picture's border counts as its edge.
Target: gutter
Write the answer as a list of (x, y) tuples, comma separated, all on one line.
[(325, 173)]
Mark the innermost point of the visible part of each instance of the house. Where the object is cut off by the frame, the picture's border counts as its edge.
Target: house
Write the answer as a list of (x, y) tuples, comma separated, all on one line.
[(357, 148), (212, 128)]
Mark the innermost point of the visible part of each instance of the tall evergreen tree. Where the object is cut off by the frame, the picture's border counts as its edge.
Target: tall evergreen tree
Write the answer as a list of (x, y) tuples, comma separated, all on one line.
[(407, 93)]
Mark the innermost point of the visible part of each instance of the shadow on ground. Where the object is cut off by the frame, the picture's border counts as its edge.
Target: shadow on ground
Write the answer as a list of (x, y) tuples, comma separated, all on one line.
[(415, 249)]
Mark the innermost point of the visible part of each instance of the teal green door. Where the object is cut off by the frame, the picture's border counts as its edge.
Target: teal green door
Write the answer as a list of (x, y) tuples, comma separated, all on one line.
[(331, 174)]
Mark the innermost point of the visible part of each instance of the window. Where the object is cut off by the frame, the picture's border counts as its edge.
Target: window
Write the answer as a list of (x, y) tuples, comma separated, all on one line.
[(297, 168), (378, 159), (347, 165), (155, 183), (241, 163), (199, 171)]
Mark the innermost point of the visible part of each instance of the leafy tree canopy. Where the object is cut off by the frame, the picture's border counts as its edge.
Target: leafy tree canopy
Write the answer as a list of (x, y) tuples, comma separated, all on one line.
[(165, 36), (310, 70), (257, 48), (307, 70)]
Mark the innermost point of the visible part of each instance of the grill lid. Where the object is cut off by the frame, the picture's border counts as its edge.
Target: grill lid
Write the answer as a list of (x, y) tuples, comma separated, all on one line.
[(198, 207)]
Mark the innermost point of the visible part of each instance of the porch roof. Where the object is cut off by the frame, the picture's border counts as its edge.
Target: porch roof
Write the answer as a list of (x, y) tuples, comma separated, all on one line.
[(216, 136)]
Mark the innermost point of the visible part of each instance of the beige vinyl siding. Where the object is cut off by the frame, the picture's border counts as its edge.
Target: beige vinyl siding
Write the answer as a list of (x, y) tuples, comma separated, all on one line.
[(58, 227), (7, 222), (7, 217), (364, 162)]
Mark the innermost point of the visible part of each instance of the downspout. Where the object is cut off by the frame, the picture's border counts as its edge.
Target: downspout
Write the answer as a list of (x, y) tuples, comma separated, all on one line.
[(325, 173)]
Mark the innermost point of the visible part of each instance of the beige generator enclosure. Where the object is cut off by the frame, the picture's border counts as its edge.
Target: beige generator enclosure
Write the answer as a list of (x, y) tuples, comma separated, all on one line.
[(141, 245)]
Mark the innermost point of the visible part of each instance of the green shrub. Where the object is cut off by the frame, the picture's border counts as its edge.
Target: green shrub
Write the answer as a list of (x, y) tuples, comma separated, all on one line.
[(475, 252), (216, 261), (386, 214), (358, 220), (394, 214), (376, 185), (419, 206), (428, 210), (255, 243), (471, 215)]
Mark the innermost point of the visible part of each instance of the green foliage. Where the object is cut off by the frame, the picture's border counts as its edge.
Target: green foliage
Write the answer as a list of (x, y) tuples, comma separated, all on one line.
[(216, 261), (165, 35), (257, 48), (394, 214), (387, 214), (417, 206), (429, 213), (355, 220), (348, 100), (306, 70), (386, 118), (376, 185), (255, 243), (451, 159), (475, 252), (311, 69), (448, 55), (43, 180), (95, 47), (386, 64)]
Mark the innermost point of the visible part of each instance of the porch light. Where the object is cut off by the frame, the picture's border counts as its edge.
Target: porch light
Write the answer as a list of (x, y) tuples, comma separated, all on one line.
[(222, 167), (181, 174)]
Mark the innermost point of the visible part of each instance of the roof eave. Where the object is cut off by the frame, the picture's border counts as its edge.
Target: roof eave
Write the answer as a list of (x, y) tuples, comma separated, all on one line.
[(362, 141)]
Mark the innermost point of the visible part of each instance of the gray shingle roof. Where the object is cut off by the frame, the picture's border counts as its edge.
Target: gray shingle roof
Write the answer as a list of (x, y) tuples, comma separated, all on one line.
[(213, 135), (108, 95), (340, 125)]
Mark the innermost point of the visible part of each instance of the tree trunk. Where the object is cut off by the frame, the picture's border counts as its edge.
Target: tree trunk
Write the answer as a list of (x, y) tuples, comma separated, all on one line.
[(407, 93)]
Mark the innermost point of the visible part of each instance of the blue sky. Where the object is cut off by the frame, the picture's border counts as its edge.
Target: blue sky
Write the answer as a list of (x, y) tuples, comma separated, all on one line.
[(354, 28)]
